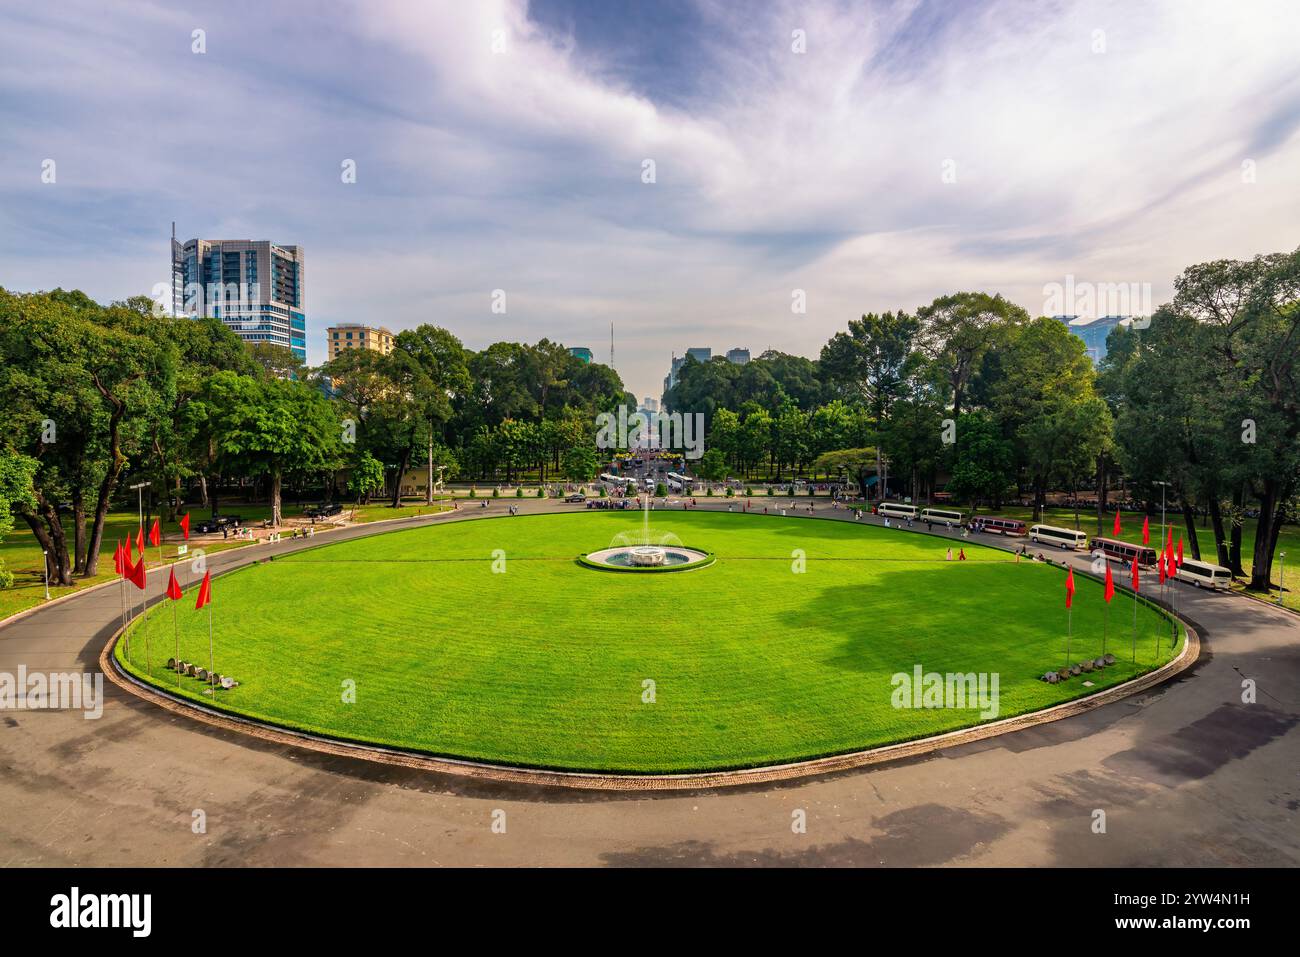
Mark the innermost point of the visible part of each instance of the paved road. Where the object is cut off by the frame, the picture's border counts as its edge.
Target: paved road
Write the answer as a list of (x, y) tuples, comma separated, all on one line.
[(1187, 775)]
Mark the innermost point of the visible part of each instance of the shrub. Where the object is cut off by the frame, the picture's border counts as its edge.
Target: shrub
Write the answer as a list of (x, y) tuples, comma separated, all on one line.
[(496, 493), (771, 491), (731, 492), (708, 493), (661, 489), (541, 493), (604, 493), (519, 492), (473, 493)]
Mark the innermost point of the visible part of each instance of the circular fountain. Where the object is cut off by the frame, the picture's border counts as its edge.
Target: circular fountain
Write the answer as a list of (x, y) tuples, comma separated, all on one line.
[(646, 551)]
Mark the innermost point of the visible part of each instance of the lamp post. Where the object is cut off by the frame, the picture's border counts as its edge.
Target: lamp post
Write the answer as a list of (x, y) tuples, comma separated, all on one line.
[(1281, 576), (45, 556)]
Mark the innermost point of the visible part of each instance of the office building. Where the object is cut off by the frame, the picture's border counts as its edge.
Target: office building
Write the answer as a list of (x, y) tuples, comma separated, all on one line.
[(581, 352), (354, 335), (255, 287)]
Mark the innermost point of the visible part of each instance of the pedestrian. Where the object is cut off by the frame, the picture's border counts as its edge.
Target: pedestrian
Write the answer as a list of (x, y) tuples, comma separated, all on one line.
[(961, 556), (949, 558), (929, 525)]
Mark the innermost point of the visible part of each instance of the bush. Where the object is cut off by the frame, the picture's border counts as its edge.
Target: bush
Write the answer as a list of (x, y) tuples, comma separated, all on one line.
[(661, 489), (709, 492), (519, 492), (604, 492), (748, 490), (496, 493), (541, 493), (731, 492), (771, 491), (473, 493), (812, 490)]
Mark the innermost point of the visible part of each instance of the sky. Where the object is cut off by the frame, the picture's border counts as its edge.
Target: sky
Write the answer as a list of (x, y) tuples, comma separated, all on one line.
[(856, 156)]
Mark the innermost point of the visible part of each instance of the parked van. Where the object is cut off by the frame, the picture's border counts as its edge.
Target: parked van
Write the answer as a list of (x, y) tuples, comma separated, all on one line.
[(896, 510), (942, 516), (1061, 537), (1204, 575)]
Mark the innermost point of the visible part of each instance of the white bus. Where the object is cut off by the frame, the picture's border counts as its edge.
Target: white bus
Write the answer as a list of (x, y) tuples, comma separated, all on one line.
[(941, 516), (896, 510), (674, 485), (1062, 537), (683, 481), (618, 480), (1204, 574)]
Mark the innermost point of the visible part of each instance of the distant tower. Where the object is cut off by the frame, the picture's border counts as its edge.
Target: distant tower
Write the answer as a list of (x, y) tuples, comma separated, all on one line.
[(611, 345)]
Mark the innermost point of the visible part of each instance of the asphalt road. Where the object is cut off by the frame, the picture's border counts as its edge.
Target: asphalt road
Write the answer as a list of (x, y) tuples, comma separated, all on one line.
[(1187, 775)]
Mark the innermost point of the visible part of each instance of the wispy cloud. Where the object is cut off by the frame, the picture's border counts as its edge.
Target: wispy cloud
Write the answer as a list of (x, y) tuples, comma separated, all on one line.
[(501, 146)]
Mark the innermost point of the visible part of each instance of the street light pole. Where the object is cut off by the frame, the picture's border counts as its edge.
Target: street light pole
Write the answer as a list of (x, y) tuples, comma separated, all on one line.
[(46, 562), (1281, 577)]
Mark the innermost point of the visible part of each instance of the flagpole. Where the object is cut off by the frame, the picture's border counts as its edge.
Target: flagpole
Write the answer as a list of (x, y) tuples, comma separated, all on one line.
[(1069, 633), (211, 684), (177, 632)]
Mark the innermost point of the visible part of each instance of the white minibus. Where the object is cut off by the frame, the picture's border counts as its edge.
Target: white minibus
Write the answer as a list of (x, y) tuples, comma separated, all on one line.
[(1061, 537), (896, 510), (941, 516), (1204, 574)]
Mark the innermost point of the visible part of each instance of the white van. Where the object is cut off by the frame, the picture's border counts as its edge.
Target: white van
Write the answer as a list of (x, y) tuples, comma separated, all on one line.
[(895, 510), (942, 516), (1061, 537), (1204, 575)]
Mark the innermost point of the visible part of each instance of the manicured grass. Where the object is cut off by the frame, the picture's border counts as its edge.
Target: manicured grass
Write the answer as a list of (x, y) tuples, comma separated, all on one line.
[(22, 556), (545, 663)]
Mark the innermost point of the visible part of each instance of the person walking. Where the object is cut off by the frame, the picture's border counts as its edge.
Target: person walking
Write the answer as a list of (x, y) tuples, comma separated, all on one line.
[(949, 558)]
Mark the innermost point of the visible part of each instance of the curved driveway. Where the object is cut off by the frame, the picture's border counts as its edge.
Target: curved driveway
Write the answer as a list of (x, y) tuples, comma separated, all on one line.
[(1186, 774)]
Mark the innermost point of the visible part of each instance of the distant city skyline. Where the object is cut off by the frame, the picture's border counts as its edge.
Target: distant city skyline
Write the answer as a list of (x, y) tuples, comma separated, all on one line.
[(688, 170)]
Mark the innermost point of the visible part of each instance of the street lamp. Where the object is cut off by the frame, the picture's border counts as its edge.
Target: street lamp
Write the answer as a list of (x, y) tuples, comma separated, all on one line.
[(46, 561), (1163, 486), (1281, 576)]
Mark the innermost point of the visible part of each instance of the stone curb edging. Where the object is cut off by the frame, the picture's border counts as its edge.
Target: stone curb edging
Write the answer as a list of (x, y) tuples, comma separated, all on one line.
[(584, 780)]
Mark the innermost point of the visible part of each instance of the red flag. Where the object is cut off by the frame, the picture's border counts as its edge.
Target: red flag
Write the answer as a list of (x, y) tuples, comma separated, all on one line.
[(1160, 564), (185, 526), (1136, 583), (1146, 530), (1180, 552), (1169, 540), (1116, 533), (1069, 588), (135, 575), (139, 541), (127, 552), (155, 534), (205, 591), (173, 587), (1110, 585), (117, 558)]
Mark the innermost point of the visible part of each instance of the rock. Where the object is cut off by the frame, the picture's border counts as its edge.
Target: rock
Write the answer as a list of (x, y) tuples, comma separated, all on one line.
[(228, 682), (1100, 663), (1075, 670), (1085, 665), (1110, 659)]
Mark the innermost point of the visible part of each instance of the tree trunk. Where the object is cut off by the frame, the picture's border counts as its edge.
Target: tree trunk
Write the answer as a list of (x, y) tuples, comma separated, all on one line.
[(275, 496), (203, 490), (1189, 519), (115, 463), (1234, 550), (49, 532), (1272, 510), (401, 472), (1215, 511), (428, 491), (78, 531), (1101, 492)]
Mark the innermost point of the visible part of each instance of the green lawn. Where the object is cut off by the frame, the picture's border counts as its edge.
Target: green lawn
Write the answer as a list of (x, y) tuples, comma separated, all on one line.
[(544, 664), (22, 556)]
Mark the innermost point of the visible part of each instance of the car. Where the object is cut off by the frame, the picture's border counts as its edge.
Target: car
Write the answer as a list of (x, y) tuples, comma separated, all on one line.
[(322, 511), (575, 497), (217, 522)]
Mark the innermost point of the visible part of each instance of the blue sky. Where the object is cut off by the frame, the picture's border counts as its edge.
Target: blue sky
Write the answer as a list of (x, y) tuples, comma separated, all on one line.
[(500, 146)]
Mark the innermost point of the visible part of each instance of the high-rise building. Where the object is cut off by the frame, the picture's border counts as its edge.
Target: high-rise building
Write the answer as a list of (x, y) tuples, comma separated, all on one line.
[(737, 357), (354, 335), (1094, 333), (581, 352), (700, 354), (255, 287)]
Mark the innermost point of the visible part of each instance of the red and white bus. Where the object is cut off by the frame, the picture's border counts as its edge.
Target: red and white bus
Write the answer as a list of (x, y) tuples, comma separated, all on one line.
[(1000, 526), (1118, 551)]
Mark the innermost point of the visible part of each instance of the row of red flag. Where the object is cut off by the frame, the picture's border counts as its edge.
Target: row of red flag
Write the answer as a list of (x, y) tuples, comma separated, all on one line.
[(1167, 563), (134, 572)]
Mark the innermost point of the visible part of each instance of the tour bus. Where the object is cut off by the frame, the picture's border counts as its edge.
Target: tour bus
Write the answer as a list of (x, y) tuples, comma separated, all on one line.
[(896, 510), (1124, 552), (683, 481), (941, 516), (1061, 537), (1203, 574), (1001, 526), (618, 480), (674, 485)]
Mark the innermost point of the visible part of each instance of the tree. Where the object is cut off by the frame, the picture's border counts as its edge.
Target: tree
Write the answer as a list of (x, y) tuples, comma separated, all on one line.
[(711, 466), (958, 330), (17, 478), (580, 463), (365, 475), (985, 462)]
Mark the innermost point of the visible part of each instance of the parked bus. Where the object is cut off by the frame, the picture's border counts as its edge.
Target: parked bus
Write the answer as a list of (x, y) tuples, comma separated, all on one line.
[(683, 481), (941, 516), (1124, 552), (1204, 575), (896, 510), (1061, 537), (619, 480), (1000, 526)]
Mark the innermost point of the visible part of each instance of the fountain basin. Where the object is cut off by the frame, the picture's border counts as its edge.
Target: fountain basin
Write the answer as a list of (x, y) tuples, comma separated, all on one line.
[(647, 558)]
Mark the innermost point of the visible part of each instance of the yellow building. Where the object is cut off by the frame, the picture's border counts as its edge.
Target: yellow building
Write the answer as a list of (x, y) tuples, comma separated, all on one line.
[(354, 335)]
